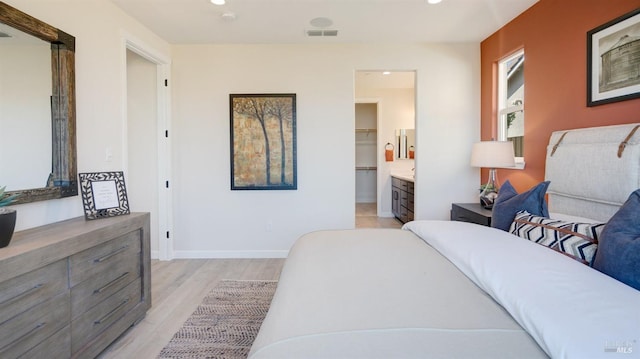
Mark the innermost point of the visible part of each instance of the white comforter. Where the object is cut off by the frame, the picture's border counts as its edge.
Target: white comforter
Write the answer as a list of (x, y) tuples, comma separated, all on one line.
[(571, 310), (382, 293)]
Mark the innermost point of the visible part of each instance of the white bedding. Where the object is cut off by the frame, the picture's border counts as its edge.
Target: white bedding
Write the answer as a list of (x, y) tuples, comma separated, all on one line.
[(382, 293), (570, 309)]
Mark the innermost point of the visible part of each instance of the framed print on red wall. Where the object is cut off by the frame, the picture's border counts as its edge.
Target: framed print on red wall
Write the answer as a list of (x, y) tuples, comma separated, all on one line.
[(613, 60)]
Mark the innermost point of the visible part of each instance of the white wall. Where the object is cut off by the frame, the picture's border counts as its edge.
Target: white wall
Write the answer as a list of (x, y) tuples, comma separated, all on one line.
[(213, 221), (99, 28)]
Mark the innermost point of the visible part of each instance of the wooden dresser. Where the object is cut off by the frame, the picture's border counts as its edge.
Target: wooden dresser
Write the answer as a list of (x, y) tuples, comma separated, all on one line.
[(71, 288)]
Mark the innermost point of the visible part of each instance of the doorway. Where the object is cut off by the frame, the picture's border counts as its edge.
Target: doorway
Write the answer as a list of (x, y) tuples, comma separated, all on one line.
[(146, 143), (384, 104), (141, 139)]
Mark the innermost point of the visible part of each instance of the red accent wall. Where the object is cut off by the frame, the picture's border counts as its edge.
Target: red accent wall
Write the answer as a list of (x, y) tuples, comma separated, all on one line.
[(553, 34)]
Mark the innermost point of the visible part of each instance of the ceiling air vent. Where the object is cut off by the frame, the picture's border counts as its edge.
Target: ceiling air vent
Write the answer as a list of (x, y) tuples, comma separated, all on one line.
[(321, 33)]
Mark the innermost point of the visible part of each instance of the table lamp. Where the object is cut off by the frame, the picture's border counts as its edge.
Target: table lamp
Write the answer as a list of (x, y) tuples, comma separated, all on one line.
[(492, 155)]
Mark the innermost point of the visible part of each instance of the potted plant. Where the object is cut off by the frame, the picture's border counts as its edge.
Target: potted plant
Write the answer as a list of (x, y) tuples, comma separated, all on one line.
[(7, 217)]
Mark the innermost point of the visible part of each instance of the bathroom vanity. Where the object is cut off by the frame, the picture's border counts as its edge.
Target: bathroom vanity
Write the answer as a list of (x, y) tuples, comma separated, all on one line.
[(402, 197)]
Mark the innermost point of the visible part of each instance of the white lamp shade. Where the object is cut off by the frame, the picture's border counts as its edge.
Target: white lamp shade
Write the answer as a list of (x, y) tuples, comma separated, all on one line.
[(493, 154)]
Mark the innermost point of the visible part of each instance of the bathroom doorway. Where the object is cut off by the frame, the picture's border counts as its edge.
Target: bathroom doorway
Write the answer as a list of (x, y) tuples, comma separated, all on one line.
[(384, 103)]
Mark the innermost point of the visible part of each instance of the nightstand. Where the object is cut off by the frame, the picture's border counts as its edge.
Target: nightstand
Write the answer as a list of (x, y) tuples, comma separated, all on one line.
[(471, 212)]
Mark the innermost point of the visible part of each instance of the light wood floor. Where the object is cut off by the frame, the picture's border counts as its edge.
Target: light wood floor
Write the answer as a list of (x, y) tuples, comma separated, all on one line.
[(366, 217), (177, 287)]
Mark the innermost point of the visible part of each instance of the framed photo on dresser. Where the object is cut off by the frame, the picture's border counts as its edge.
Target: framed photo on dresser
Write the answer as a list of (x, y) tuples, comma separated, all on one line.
[(104, 194)]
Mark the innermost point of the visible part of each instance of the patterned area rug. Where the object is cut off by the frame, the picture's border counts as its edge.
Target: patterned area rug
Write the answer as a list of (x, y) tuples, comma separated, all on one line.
[(226, 322)]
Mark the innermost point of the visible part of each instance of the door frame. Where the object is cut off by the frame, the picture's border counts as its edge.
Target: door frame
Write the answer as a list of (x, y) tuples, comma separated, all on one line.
[(163, 138)]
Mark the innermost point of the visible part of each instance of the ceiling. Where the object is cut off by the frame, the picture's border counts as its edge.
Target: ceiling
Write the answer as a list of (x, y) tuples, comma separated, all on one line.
[(357, 21)]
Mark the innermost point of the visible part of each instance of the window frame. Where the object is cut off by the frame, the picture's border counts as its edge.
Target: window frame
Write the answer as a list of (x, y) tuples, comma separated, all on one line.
[(503, 108)]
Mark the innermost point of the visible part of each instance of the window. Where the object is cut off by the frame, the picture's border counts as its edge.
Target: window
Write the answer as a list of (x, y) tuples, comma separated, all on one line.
[(511, 103)]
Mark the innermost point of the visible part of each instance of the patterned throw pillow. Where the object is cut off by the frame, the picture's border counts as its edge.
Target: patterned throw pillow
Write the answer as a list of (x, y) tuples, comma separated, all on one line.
[(576, 240)]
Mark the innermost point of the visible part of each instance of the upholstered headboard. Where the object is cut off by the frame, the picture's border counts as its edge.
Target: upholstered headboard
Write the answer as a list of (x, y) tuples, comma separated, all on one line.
[(593, 170)]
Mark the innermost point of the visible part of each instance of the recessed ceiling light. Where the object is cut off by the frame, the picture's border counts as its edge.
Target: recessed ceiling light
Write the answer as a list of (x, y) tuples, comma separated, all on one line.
[(321, 22), (434, 1), (217, 2), (386, 73)]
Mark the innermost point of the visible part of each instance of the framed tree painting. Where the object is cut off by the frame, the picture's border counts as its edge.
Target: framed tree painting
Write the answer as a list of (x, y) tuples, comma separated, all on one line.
[(263, 141), (613, 60)]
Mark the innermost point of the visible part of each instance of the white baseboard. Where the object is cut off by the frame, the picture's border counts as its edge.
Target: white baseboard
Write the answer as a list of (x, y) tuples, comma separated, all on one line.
[(229, 254), (365, 199), (386, 214)]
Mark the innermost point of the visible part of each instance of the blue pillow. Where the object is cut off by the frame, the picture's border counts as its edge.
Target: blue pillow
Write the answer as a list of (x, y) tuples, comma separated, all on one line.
[(509, 203), (618, 253)]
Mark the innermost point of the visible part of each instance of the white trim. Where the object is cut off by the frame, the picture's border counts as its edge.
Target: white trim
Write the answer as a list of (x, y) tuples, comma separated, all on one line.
[(503, 107), (230, 254), (163, 63)]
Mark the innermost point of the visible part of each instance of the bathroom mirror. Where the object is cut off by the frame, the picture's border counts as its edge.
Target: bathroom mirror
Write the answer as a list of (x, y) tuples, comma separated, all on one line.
[(405, 143), (37, 113)]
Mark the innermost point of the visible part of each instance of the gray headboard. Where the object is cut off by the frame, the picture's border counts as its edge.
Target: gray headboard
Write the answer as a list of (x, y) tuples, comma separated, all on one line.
[(593, 170)]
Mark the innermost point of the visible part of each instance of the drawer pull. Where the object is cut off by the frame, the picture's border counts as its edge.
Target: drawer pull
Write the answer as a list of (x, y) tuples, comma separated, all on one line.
[(111, 313), (110, 284), (117, 251), (23, 294)]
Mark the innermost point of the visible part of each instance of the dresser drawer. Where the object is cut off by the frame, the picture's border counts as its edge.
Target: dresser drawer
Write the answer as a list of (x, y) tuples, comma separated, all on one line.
[(87, 294), (93, 261), (25, 291), (56, 346), (95, 321), (26, 330)]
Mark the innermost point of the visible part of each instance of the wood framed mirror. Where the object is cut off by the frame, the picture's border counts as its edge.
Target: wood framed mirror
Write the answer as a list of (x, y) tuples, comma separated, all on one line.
[(62, 180)]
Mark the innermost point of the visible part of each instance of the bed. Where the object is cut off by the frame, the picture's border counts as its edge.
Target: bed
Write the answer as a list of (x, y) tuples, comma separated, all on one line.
[(443, 289)]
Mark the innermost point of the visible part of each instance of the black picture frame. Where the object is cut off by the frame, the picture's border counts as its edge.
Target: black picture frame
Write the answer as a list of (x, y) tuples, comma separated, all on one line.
[(609, 77), (263, 141), (104, 194)]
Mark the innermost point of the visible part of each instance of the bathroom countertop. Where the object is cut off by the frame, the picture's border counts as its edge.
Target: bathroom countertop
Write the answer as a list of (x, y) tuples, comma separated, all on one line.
[(406, 176)]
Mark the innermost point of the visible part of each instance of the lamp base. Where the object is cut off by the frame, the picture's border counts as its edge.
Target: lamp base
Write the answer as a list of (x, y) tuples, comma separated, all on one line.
[(490, 190), (486, 202)]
